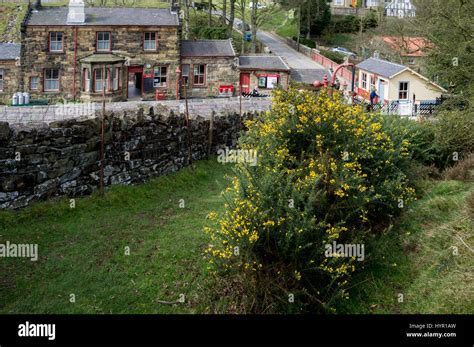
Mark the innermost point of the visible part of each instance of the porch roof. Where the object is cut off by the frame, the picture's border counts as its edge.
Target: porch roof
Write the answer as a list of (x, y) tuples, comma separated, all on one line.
[(263, 62), (102, 58)]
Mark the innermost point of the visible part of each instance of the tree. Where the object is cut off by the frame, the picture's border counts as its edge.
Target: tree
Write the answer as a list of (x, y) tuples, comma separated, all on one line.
[(224, 12), (449, 25), (243, 6), (232, 18), (210, 13)]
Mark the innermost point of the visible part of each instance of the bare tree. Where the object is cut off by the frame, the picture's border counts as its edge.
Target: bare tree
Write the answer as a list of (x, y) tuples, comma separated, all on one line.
[(243, 6), (231, 19), (210, 13), (224, 12)]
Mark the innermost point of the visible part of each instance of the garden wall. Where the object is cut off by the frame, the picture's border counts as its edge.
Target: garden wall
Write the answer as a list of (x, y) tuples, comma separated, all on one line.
[(62, 158)]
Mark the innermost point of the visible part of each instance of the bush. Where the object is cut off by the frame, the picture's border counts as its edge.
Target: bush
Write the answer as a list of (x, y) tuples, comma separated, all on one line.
[(210, 33), (326, 172), (304, 41), (334, 56), (454, 134)]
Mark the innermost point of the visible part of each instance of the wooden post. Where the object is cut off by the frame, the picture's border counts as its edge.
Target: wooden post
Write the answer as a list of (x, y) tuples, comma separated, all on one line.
[(190, 156), (102, 137), (211, 128)]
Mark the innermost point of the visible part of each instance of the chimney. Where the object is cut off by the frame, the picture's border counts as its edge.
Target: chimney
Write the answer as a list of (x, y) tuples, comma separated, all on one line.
[(377, 55), (76, 13), (37, 5)]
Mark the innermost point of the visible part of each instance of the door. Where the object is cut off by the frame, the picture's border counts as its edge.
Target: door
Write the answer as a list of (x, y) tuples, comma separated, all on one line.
[(245, 82), (381, 91), (134, 82)]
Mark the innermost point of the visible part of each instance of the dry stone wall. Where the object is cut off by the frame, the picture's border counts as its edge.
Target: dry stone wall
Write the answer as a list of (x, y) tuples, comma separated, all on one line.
[(62, 158)]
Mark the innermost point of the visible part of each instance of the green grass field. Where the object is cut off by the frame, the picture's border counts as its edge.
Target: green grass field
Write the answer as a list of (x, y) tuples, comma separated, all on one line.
[(417, 259), (82, 252)]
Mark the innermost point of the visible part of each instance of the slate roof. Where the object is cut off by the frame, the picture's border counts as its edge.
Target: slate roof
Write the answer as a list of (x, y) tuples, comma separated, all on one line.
[(9, 51), (207, 48), (263, 62), (308, 76), (381, 67), (113, 16)]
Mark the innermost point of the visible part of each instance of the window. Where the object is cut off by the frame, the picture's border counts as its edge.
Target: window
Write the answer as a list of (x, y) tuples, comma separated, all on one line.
[(364, 81), (55, 42), (339, 2), (185, 73), (160, 76), (403, 90), (51, 80), (1, 79), (103, 41), (372, 82), (372, 3), (268, 82), (149, 42), (199, 75), (115, 78), (34, 81), (87, 80), (101, 80)]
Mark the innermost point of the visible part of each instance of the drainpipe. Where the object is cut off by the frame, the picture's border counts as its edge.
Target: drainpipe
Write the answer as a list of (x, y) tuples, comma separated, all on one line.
[(75, 63)]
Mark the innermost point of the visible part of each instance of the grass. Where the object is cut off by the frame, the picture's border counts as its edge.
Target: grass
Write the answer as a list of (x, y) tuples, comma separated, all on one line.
[(417, 259), (82, 250), (12, 14)]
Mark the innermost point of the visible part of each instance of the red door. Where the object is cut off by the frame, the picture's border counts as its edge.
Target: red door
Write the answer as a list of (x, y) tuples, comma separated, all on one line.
[(245, 82)]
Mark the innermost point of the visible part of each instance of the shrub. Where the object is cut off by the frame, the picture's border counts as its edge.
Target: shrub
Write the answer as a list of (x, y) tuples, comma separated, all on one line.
[(304, 41), (327, 172), (210, 33), (334, 56), (460, 171), (454, 133)]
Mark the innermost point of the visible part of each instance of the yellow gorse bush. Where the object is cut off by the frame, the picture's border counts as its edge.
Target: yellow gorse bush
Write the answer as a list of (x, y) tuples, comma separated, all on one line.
[(326, 172)]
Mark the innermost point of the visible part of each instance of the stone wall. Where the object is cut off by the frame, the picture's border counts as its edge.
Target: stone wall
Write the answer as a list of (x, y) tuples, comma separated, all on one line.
[(63, 158), (219, 71), (10, 79)]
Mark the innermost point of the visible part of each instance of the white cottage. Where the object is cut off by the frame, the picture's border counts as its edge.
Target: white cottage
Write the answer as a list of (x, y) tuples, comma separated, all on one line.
[(400, 89)]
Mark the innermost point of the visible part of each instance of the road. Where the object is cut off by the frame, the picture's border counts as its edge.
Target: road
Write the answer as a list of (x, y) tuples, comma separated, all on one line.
[(304, 69)]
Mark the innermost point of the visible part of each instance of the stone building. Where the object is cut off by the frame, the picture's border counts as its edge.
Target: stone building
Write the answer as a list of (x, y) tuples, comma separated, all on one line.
[(209, 68), (9, 69), (263, 73), (80, 53)]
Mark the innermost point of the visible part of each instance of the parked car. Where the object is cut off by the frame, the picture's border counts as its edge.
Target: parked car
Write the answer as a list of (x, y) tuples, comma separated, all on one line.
[(247, 27), (259, 5), (344, 51)]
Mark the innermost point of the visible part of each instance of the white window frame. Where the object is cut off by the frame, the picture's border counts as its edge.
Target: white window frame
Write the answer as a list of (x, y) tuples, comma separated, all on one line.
[(103, 79), (55, 45), (32, 84), (48, 82), (152, 44), (115, 78), (363, 80), (87, 80), (199, 74), (403, 91), (100, 43), (158, 76)]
